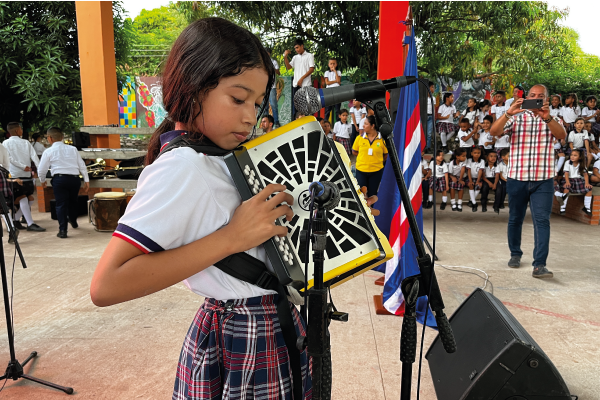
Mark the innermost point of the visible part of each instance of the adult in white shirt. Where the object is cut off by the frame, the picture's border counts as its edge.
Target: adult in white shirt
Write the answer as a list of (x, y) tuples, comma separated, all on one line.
[(333, 78), (66, 165), (4, 157), (37, 144), (303, 64), (21, 154)]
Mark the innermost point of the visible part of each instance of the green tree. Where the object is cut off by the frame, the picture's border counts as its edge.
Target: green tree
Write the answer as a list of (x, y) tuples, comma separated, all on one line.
[(40, 83), (506, 41), (154, 32), (348, 31)]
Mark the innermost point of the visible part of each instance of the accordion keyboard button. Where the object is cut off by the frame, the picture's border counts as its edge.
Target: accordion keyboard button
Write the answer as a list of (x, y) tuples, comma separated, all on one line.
[(281, 248), (252, 174), (277, 239), (290, 261), (251, 180), (287, 247), (255, 190), (247, 170)]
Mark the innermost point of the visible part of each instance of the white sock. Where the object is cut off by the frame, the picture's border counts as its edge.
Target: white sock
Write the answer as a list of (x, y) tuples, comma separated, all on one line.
[(453, 201), (565, 202), (444, 199), (472, 195), (460, 202), (31, 204), (443, 137), (449, 136), (476, 194), (26, 210), (587, 202), (430, 197), (18, 215), (558, 194)]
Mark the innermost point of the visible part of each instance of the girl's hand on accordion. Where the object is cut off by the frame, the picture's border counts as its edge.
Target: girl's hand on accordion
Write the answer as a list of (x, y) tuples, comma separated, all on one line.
[(370, 201), (253, 224)]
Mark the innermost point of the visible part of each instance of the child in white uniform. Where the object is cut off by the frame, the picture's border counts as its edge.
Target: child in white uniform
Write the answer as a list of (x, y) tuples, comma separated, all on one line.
[(187, 216), (570, 111), (575, 180), (578, 138), (445, 119), (440, 183), (476, 167), (456, 170)]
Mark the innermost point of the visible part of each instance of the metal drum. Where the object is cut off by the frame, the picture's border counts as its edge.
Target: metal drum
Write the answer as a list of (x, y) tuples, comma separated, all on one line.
[(105, 209)]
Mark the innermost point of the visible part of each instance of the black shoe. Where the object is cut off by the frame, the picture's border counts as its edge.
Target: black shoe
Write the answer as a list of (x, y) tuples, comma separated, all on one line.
[(470, 203), (514, 262), (496, 210), (23, 221), (18, 225), (10, 238), (459, 207), (563, 212), (484, 208), (474, 208), (428, 205), (443, 206), (560, 200), (74, 224), (36, 228), (541, 272), (454, 207), (62, 234), (501, 207), (587, 211)]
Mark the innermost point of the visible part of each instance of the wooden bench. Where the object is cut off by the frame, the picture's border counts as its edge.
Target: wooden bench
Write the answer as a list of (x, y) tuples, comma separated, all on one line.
[(575, 204)]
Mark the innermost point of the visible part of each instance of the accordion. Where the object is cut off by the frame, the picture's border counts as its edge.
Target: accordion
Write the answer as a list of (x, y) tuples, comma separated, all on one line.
[(296, 155)]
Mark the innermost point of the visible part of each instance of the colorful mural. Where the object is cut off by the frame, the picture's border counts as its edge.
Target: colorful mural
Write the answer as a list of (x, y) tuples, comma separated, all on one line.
[(127, 105), (463, 91), (151, 112)]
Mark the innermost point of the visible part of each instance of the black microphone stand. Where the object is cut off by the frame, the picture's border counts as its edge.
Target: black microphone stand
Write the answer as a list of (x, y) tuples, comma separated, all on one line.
[(320, 313), (14, 370), (424, 284)]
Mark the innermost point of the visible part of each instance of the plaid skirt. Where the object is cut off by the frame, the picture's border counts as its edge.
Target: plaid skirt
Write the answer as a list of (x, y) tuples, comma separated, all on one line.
[(440, 183), (577, 185), (445, 127), (456, 185), (239, 354), (346, 143)]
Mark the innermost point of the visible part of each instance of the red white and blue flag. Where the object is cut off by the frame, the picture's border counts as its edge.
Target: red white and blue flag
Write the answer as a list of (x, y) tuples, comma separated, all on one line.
[(409, 139)]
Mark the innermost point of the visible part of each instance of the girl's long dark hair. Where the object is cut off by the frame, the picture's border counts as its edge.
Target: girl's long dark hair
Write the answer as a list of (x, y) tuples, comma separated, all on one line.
[(436, 156), (458, 152), (582, 162), (575, 101), (206, 51), (446, 96)]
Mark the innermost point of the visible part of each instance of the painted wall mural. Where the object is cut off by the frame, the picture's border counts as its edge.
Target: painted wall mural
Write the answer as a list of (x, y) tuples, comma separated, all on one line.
[(151, 112), (127, 105)]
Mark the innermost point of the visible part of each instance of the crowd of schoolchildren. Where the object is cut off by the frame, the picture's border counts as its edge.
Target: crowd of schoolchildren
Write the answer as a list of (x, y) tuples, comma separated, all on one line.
[(479, 161)]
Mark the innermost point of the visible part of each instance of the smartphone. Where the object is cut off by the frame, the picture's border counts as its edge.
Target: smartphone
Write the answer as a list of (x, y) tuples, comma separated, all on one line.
[(532, 104)]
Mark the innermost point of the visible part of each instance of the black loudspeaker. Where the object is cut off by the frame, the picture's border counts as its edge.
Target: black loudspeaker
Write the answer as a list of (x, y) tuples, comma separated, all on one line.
[(81, 140), (496, 359)]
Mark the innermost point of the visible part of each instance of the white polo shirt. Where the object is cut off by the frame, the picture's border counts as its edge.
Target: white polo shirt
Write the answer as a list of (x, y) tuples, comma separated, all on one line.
[(502, 142), (498, 110), (445, 110), (597, 165), (4, 157), (182, 197), (455, 168), (502, 169), (578, 138), (62, 159), (572, 170), (331, 76), (586, 112), (485, 137), (475, 167), (342, 130), (469, 142), (358, 113), (570, 114), (490, 173), (301, 64), (440, 169), (21, 154), (430, 107)]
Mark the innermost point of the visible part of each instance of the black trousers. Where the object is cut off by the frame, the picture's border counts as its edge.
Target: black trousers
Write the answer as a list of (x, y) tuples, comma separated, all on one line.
[(66, 191), (371, 180), (485, 191), (500, 193), (294, 90), (425, 189)]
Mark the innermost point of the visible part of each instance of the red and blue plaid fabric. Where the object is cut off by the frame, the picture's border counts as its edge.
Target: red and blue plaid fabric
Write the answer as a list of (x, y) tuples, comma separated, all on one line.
[(456, 185), (531, 155), (346, 143), (445, 127), (239, 354), (440, 183), (577, 185)]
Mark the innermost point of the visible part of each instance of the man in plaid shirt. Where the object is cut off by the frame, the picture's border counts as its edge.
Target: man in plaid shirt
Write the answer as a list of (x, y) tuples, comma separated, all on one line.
[(530, 174)]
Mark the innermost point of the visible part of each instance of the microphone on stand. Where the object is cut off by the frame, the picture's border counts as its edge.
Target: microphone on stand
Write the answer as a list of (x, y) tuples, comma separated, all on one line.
[(308, 100)]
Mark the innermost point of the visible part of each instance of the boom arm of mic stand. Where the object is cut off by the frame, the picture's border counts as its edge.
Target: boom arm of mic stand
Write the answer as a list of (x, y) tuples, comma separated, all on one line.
[(382, 117)]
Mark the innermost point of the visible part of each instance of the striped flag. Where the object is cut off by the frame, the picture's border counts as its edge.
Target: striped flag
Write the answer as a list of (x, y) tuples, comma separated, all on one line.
[(409, 139)]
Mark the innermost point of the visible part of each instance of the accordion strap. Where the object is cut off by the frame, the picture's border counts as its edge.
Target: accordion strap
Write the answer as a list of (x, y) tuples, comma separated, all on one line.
[(246, 268)]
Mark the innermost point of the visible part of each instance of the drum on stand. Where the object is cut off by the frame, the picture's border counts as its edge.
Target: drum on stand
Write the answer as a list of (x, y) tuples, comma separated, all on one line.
[(105, 209), (129, 195)]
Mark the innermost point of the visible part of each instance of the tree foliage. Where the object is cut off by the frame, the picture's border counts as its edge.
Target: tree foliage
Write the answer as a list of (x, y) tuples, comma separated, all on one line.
[(348, 31), (505, 40), (40, 84)]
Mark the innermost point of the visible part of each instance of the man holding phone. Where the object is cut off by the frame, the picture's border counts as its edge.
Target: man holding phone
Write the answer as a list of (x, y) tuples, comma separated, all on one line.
[(530, 172)]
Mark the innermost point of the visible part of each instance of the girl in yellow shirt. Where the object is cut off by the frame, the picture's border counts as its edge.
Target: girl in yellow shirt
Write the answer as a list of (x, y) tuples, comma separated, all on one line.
[(371, 153)]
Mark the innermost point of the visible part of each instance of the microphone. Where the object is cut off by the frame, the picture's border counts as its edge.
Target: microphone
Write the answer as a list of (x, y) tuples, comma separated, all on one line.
[(326, 194), (308, 100)]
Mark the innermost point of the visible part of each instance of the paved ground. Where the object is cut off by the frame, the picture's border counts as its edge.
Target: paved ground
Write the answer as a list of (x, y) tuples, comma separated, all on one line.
[(130, 351)]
